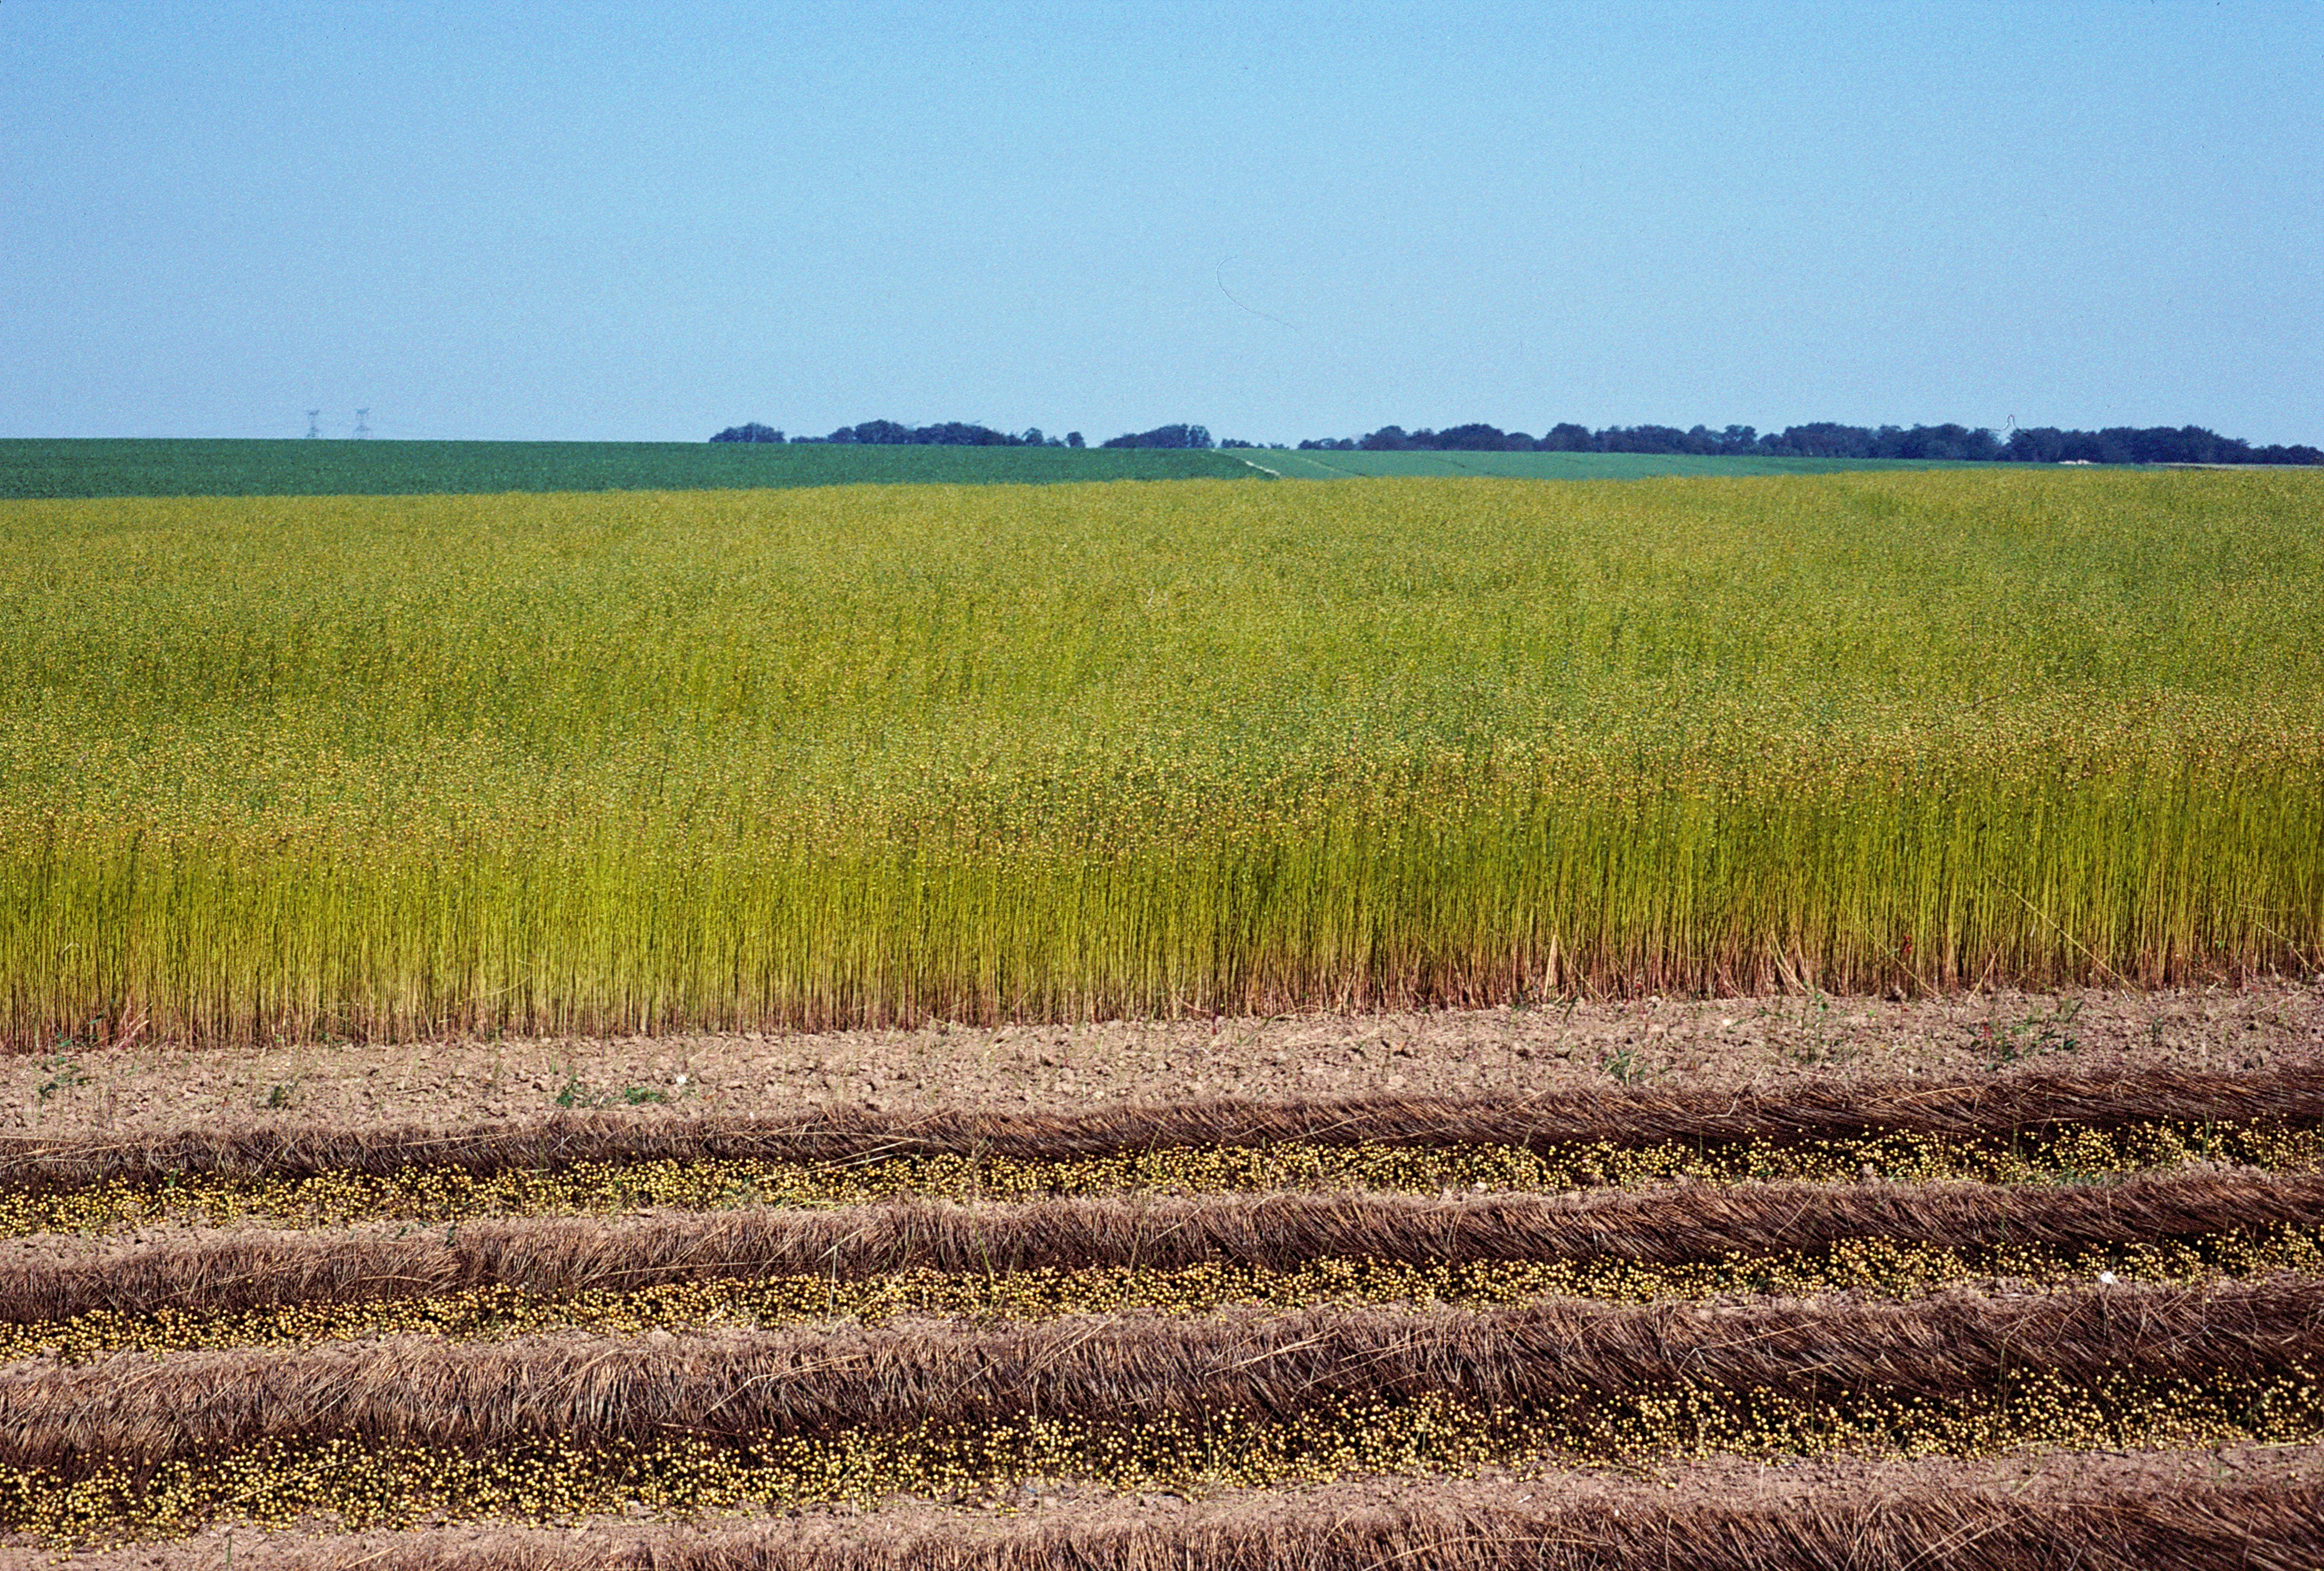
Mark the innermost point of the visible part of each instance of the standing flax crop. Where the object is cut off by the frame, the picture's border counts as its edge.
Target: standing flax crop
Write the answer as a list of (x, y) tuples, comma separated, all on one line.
[(392, 766)]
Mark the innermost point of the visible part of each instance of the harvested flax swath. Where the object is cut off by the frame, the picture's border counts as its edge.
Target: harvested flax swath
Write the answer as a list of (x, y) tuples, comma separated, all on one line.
[(1132, 1369), (1666, 1226), (2261, 1526), (1625, 1118)]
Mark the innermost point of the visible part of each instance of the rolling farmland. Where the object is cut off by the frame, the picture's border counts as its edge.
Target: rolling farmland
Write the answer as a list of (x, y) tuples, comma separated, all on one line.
[(1450, 1022), (132, 467), (129, 466)]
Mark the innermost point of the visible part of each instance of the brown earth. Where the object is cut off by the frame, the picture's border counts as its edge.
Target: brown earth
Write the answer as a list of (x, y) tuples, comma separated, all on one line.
[(1667, 1043)]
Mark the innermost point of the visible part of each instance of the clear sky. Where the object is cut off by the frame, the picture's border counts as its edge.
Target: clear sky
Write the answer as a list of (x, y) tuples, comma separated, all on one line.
[(571, 219)]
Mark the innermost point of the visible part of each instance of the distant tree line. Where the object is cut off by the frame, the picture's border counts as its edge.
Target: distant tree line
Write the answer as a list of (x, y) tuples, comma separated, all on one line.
[(961, 434), (1179, 436), (1819, 440), (888, 433), (1827, 439)]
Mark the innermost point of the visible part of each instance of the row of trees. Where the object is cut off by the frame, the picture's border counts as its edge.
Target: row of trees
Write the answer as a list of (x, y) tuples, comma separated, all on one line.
[(1827, 439), (1821, 439), (1178, 436), (960, 434), (894, 434)]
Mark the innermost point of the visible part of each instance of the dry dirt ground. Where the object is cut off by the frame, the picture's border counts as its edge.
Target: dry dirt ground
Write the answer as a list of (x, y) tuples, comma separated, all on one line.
[(1729, 1042)]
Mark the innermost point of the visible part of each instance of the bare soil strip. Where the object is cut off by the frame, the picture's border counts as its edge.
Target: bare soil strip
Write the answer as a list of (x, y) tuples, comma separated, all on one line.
[(1131, 1371), (252, 1270), (2292, 1094), (1759, 1044)]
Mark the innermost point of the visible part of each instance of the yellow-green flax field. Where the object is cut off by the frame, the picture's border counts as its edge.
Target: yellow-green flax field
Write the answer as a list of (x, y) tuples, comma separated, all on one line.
[(392, 766)]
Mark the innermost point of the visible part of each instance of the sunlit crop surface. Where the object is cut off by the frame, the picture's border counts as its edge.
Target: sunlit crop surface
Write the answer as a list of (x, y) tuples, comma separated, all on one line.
[(400, 765)]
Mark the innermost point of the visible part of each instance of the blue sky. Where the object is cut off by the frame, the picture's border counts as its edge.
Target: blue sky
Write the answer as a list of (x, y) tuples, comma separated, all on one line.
[(616, 221)]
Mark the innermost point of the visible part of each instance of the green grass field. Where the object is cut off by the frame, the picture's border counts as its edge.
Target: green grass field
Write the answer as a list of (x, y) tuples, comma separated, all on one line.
[(35, 468), (136, 467), (644, 760), (1322, 465)]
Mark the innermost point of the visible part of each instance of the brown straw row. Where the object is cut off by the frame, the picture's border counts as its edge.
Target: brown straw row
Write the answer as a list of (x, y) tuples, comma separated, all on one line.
[(1620, 1117), (220, 1273), (1560, 1359), (2276, 1525)]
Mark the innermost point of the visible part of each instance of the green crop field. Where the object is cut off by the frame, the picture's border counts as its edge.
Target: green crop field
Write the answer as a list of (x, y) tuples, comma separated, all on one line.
[(55, 468), (1331, 466), (394, 766)]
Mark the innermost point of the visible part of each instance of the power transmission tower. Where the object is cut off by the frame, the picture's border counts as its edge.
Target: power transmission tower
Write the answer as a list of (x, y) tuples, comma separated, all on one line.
[(314, 429), (362, 430)]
